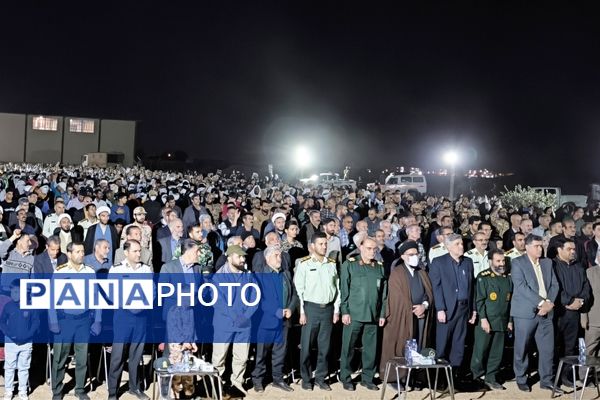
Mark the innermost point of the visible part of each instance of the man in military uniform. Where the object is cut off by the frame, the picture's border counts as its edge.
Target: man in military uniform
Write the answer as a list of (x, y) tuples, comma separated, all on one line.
[(493, 292), (439, 249), (139, 217), (363, 291), (317, 285), (72, 326), (517, 250), (479, 254)]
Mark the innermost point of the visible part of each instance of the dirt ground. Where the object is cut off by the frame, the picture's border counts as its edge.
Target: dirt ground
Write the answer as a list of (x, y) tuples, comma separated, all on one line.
[(43, 392)]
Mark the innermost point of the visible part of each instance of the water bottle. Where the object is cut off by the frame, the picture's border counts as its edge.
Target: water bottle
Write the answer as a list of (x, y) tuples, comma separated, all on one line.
[(407, 352), (581, 351), (186, 361)]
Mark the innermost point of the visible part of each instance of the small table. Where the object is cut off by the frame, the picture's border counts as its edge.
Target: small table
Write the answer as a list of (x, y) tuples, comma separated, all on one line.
[(589, 364), (399, 363), (164, 379)]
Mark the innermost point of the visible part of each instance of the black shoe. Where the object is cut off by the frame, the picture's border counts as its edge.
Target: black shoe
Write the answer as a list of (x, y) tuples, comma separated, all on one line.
[(395, 387), (369, 385), (283, 386), (84, 396), (348, 386), (139, 394), (323, 386), (258, 388), (306, 386), (556, 389), (523, 387), (495, 386)]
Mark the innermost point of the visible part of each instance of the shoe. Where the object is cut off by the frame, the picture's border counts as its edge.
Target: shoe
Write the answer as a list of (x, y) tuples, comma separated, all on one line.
[(323, 386), (82, 396), (395, 387), (306, 386), (556, 389), (369, 385), (139, 394), (283, 386), (240, 388), (495, 386), (523, 387), (258, 388), (348, 386)]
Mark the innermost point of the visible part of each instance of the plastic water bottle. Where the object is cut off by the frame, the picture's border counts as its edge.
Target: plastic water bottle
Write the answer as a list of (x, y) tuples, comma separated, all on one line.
[(186, 361), (407, 352), (581, 351)]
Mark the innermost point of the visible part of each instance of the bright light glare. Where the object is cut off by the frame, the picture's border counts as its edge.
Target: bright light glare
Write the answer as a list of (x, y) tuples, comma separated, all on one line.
[(313, 178), (451, 157), (303, 157)]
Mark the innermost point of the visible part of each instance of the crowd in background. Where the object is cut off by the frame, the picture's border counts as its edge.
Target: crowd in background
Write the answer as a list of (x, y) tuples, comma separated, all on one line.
[(389, 266)]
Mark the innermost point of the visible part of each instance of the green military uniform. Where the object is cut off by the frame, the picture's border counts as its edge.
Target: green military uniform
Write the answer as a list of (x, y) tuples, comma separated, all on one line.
[(492, 298), (317, 285), (363, 291)]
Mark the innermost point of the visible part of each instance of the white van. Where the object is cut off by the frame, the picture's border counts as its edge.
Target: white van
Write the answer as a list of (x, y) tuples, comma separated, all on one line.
[(406, 183)]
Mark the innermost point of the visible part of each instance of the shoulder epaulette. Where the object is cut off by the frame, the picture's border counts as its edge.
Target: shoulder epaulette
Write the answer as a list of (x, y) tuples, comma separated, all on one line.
[(437, 246), (352, 259), (331, 260), (471, 251), (62, 266), (379, 263), (305, 259), (507, 252), (484, 273)]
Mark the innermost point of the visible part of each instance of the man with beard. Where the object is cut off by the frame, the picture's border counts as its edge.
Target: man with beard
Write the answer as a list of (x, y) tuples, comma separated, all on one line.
[(102, 230), (363, 292), (133, 232), (191, 215), (317, 285), (574, 292), (63, 231), (98, 260), (383, 253), (139, 220), (152, 207), (334, 249), (89, 220), (492, 300), (308, 230), (238, 328), (408, 309)]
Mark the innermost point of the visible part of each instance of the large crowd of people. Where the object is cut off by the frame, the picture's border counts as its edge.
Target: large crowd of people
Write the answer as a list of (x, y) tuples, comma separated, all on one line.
[(361, 269)]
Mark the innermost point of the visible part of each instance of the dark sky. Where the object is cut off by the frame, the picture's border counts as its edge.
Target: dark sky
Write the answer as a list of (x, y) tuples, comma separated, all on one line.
[(515, 87)]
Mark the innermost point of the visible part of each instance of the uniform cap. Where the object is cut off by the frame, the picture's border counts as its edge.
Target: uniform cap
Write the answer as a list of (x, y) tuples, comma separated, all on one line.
[(139, 210), (235, 249)]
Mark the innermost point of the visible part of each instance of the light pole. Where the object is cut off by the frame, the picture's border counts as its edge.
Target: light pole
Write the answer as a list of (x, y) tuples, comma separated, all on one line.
[(451, 157)]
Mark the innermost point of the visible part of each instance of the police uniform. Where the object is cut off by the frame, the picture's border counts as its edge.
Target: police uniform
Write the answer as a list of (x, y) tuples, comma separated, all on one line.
[(130, 327), (436, 251), (363, 291), (480, 261), (74, 328), (492, 298), (317, 285), (511, 255)]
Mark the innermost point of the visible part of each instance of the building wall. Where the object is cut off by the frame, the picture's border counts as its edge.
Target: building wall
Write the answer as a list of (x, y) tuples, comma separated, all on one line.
[(75, 144), (43, 146), (19, 142), (12, 137), (118, 137)]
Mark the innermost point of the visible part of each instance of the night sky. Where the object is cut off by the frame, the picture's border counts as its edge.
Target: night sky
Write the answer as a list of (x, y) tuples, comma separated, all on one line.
[(370, 84)]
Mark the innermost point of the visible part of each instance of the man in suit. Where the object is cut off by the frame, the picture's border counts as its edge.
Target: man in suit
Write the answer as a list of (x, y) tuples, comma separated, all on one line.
[(166, 246), (452, 281), (534, 293), (46, 262)]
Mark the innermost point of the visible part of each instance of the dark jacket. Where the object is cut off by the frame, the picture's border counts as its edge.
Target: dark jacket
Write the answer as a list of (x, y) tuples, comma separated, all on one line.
[(288, 299), (43, 265), (18, 326), (445, 286), (525, 297), (90, 240)]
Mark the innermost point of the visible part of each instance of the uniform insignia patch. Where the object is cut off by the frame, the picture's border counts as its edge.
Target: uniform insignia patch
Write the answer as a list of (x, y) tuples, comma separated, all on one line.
[(493, 296)]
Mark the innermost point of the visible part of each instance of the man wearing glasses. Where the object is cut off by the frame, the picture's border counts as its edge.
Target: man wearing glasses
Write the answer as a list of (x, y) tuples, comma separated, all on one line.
[(479, 253)]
